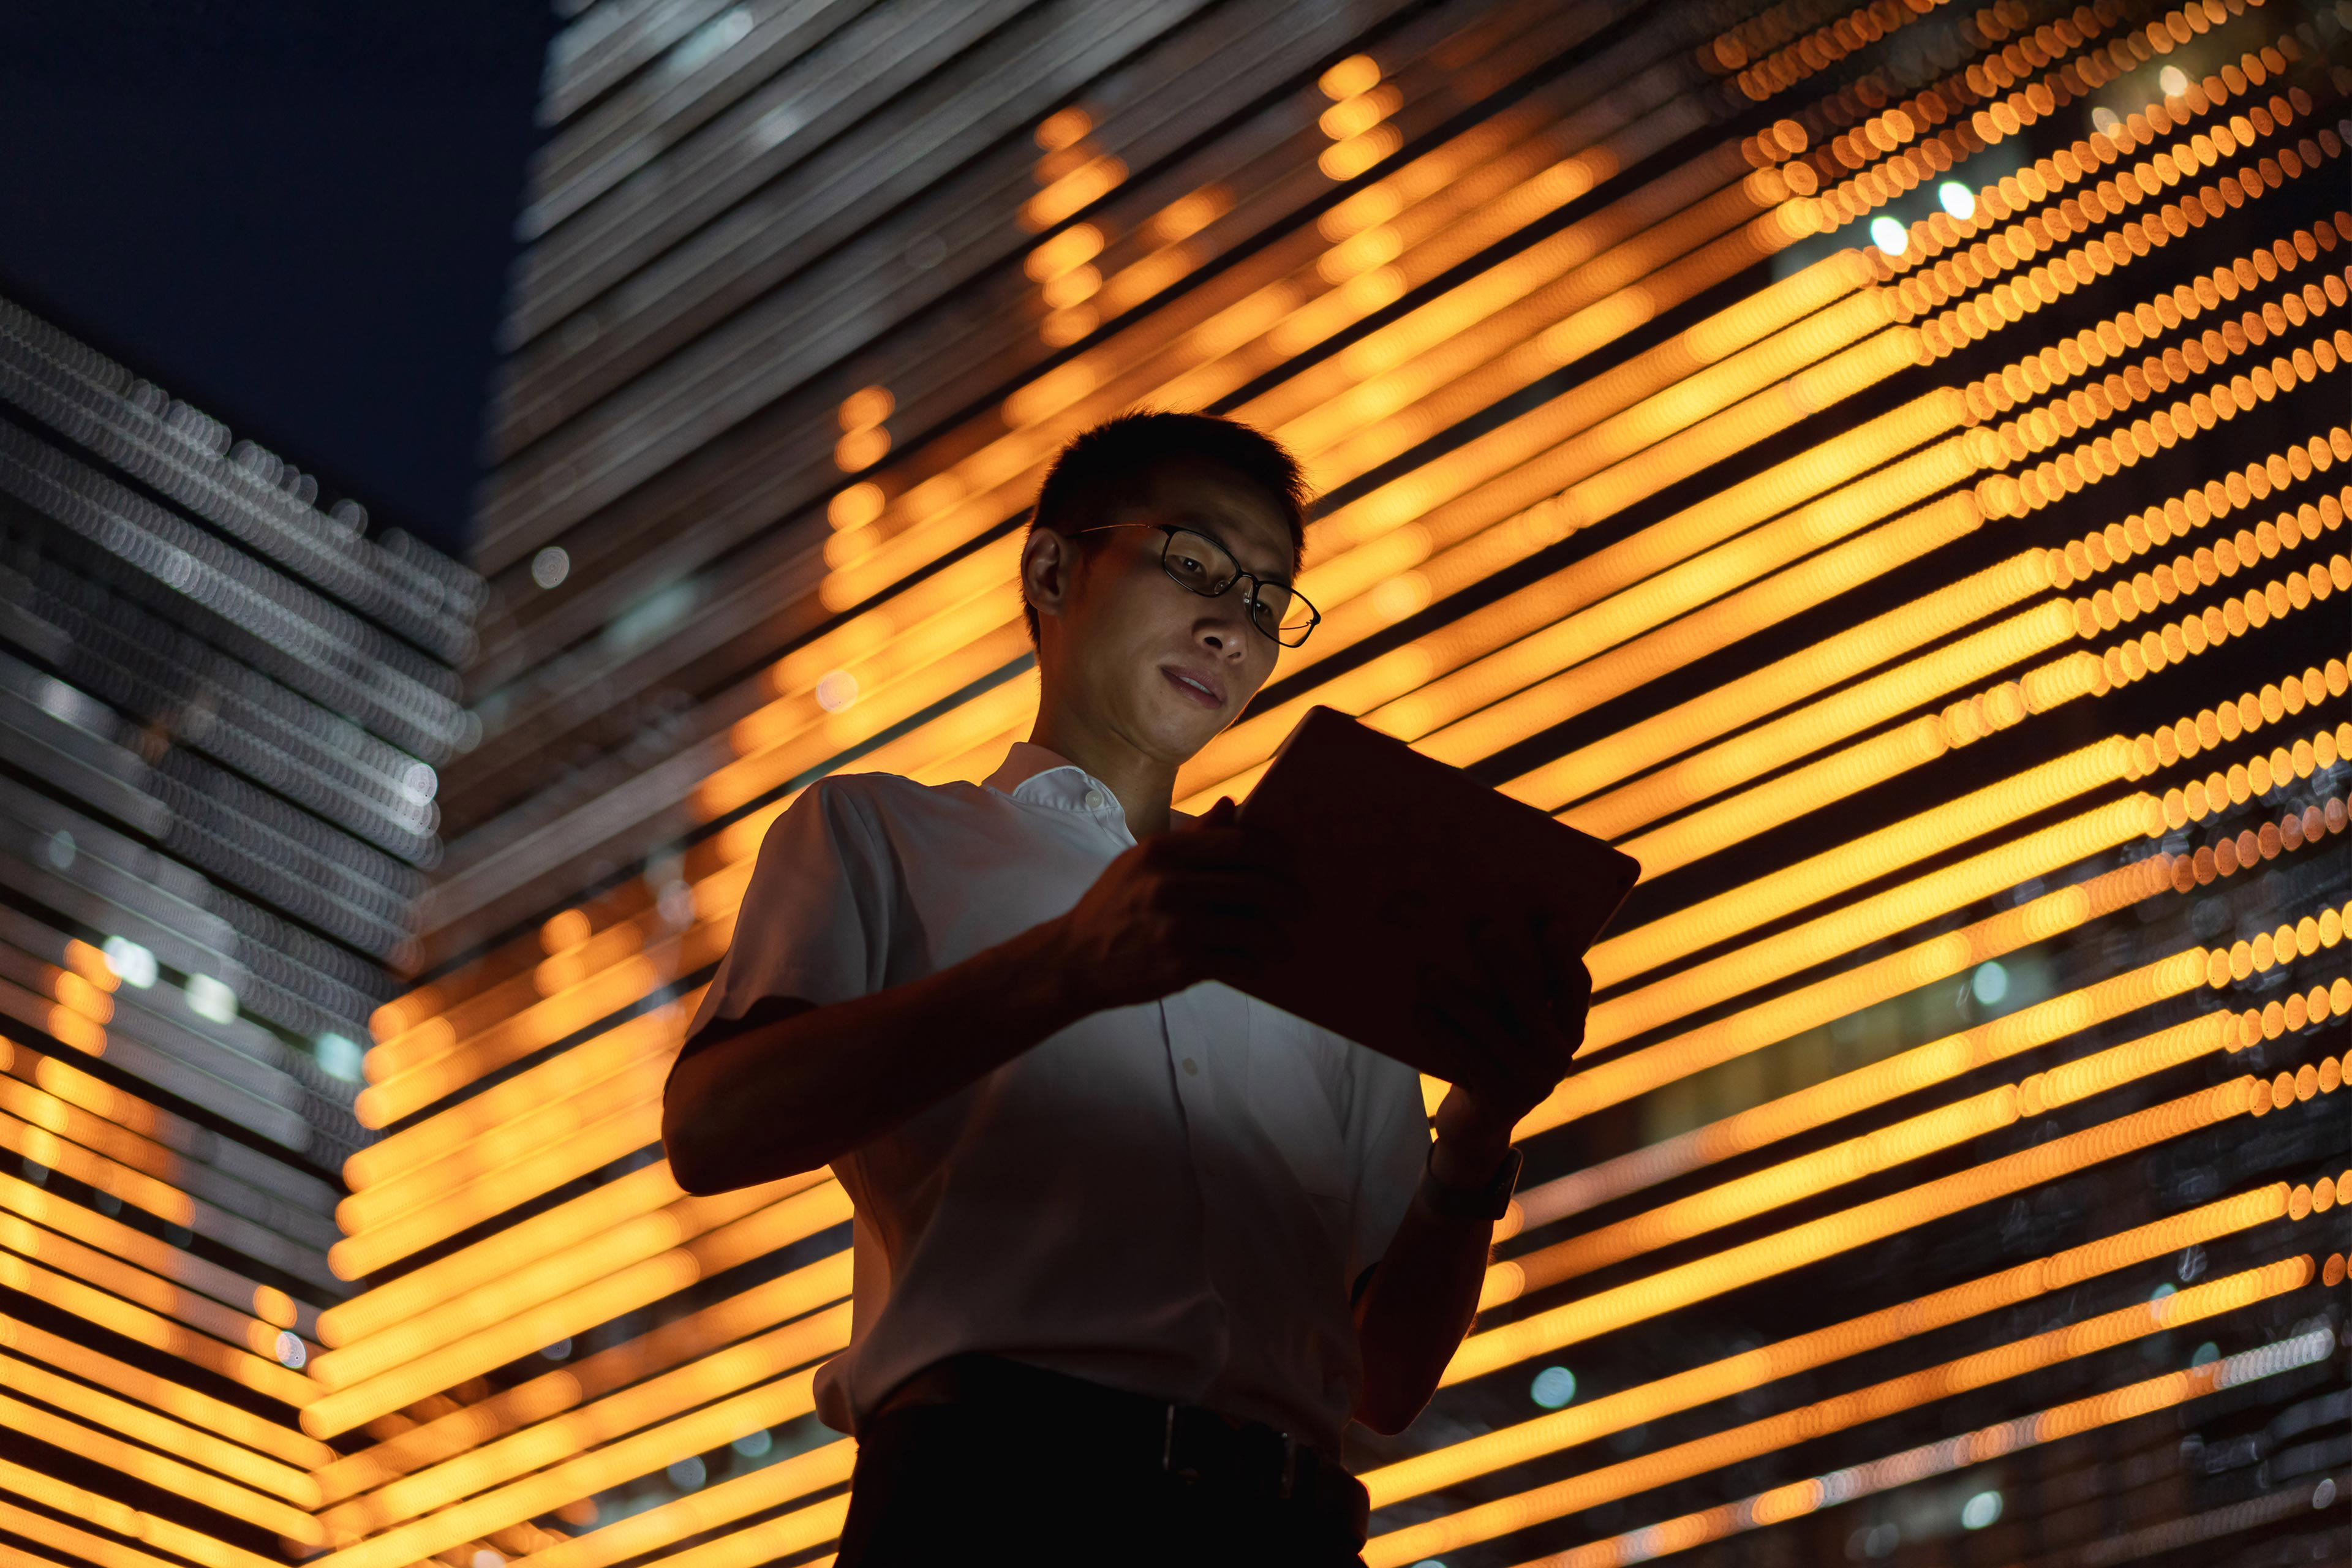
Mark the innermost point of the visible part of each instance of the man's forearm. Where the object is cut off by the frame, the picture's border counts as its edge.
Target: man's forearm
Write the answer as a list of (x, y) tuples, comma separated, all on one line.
[(1426, 1293), (789, 1096)]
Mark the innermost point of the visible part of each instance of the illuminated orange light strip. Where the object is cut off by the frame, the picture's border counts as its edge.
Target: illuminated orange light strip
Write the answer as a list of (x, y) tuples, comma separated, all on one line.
[(1639, 1299), (1880, 1082), (174, 1398), (706, 1510), (240, 1464), (1530, 1439), (155, 1331), (638, 1192), (504, 1104), (1872, 855), (92, 1229), (616, 1136), (755, 1361), (361, 1395), (776, 1300), (575, 1112), (2035, 854), (156, 1470), (152, 1530), (2136, 1400), (1873, 1402), (1807, 1175), (582, 1475), (1498, 694)]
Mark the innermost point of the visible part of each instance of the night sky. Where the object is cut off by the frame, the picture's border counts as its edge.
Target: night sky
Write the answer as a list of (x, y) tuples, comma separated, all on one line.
[(297, 216)]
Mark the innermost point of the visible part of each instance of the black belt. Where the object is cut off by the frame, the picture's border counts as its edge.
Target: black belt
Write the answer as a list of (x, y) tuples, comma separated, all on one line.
[(1189, 1441)]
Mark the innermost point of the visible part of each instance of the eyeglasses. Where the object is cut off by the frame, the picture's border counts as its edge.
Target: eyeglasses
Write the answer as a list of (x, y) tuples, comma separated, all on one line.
[(1199, 563)]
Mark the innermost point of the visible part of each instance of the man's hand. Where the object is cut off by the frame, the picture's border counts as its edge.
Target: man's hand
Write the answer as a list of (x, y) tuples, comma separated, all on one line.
[(1198, 903), (1521, 1029)]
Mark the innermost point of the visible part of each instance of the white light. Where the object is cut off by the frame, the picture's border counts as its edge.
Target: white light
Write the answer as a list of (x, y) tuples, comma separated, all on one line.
[(1956, 199), (290, 1352), (686, 1474), (338, 1057), (677, 904), (2161, 1291), (132, 964), (751, 1445), (1980, 1509), (2205, 1354), (1554, 1387), (2173, 80), (558, 1351), (487, 1558), (1990, 983), (61, 850), (713, 39), (551, 566), (1891, 237), (2105, 120), (422, 781), (208, 998), (835, 689)]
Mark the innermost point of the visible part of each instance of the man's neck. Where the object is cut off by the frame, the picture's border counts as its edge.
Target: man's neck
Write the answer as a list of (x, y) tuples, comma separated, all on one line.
[(1144, 784)]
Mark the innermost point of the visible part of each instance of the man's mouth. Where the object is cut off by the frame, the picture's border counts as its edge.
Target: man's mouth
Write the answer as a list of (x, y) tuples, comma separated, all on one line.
[(1199, 689)]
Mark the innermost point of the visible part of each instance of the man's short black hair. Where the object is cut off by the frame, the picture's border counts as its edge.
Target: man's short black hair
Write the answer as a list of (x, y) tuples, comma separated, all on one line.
[(1097, 466)]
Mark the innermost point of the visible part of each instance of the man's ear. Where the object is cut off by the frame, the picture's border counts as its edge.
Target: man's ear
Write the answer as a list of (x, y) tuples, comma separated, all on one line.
[(1048, 561)]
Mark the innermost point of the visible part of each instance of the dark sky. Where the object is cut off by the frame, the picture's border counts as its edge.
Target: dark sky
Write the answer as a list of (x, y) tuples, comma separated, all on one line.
[(298, 215)]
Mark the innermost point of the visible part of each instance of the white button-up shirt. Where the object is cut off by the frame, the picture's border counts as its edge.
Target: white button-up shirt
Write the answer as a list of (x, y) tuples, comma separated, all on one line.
[(1172, 1198)]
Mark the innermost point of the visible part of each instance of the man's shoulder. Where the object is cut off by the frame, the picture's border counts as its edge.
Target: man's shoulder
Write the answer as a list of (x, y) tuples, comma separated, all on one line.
[(879, 795)]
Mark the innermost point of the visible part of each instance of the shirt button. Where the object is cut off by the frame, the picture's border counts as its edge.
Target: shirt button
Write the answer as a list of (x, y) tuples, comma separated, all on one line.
[(1094, 800), (1192, 1067)]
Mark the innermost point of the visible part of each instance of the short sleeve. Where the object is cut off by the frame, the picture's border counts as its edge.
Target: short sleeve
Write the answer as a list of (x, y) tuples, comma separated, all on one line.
[(1388, 1144), (815, 921)]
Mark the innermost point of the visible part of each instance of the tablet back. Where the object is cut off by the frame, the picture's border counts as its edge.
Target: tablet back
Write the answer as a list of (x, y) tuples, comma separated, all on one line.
[(1400, 852)]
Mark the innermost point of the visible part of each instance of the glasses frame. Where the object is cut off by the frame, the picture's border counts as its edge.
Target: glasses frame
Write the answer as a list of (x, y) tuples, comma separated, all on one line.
[(1314, 616)]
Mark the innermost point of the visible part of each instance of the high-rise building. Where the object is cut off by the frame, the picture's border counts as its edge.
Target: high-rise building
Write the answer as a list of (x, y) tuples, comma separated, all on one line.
[(222, 710), (1879, 463)]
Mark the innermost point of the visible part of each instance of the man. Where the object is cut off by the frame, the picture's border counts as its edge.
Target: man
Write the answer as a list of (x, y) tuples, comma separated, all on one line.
[(1131, 1248)]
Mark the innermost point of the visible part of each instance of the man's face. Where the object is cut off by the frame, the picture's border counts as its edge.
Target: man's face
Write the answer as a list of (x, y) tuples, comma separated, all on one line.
[(1162, 667)]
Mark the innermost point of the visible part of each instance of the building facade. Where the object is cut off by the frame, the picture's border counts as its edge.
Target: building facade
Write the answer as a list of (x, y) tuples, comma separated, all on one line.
[(222, 714), (1881, 465)]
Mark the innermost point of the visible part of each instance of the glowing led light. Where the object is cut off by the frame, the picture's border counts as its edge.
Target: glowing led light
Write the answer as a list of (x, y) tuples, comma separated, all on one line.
[(132, 964), (1554, 1387), (1956, 199), (1980, 1511), (687, 1475), (2105, 121), (551, 566), (837, 691), (1990, 983), (2203, 1354), (289, 1351), (208, 998), (754, 1445), (1891, 237), (2173, 80), (338, 1057), (558, 1351)]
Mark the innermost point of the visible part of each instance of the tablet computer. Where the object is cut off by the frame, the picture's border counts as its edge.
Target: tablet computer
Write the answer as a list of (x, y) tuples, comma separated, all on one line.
[(1397, 855)]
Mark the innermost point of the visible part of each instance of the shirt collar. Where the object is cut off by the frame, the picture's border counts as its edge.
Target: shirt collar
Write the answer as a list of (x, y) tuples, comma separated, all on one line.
[(1034, 773), (1039, 773)]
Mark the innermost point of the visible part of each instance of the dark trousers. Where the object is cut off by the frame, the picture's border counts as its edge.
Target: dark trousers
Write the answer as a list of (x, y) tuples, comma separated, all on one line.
[(983, 1481)]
